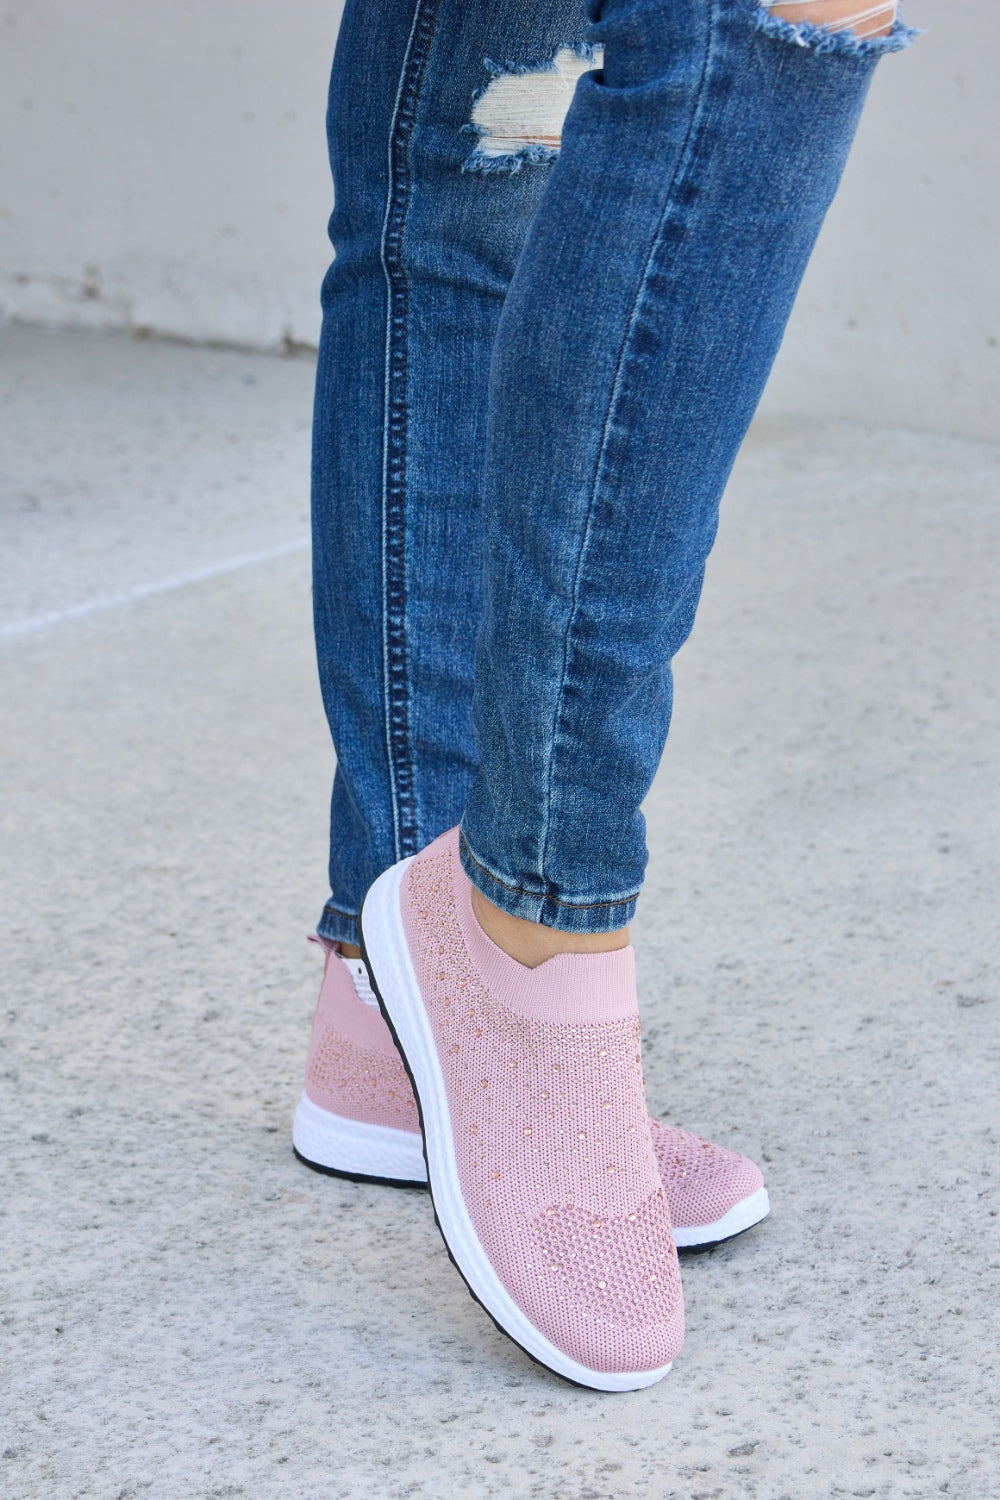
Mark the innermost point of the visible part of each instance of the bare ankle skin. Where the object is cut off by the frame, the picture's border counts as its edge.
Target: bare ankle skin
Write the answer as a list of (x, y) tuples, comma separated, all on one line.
[(531, 944), (349, 950), (854, 15)]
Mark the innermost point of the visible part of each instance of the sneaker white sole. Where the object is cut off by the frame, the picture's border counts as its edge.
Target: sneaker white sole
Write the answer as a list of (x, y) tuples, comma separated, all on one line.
[(384, 945), (352, 1148), (742, 1215)]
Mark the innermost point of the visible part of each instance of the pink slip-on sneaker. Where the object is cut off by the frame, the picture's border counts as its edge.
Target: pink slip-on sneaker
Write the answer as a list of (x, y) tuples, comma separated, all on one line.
[(357, 1118), (539, 1154)]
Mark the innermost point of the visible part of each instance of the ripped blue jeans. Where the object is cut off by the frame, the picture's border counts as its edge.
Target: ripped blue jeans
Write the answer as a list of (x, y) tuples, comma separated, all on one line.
[(568, 236)]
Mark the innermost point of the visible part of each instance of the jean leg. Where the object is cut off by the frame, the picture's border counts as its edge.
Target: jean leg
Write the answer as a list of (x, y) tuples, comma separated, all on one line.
[(427, 228), (643, 318)]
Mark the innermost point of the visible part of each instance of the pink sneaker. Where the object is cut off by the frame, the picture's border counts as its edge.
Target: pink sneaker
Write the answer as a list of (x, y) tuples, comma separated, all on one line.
[(539, 1155), (357, 1118)]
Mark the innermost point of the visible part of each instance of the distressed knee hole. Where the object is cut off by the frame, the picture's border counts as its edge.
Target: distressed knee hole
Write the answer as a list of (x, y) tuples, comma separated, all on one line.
[(518, 117), (873, 19), (856, 27)]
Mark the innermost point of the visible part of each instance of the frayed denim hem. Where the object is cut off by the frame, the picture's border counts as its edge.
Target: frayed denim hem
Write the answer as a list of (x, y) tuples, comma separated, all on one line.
[(525, 156), (824, 42)]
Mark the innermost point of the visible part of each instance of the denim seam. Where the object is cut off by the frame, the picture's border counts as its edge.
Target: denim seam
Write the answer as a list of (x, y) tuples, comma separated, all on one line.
[(520, 890), (394, 436), (682, 167)]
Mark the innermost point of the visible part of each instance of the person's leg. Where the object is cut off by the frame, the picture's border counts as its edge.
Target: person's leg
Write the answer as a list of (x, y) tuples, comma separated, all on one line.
[(646, 309), (424, 254)]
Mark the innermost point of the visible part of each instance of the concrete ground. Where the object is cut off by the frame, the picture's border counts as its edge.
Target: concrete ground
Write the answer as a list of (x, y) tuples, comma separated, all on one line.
[(189, 1312)]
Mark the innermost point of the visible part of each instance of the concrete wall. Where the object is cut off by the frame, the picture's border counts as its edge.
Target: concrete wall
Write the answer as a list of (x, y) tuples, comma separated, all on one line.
[(899, 315), (163, 166)]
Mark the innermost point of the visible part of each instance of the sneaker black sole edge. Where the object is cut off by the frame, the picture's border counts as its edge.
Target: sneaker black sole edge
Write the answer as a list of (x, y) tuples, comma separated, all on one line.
[(316, 1166), (726, 1239)]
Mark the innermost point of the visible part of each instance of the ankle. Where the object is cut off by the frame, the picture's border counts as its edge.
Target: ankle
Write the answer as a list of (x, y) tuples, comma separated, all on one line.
[(530, 944), (349, 950)]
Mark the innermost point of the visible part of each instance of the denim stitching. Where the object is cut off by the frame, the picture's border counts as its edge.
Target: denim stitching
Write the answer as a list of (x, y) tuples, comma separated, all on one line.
[(682, 167), (395, 667), (519, 890)]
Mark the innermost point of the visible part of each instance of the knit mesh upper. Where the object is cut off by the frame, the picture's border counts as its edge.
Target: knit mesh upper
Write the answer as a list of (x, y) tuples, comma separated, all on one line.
[(604, 1264), (703, 1181), (353, 1068), (361, 1084)]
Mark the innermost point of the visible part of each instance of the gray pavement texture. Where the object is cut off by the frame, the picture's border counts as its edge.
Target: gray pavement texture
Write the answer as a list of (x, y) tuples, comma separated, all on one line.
[(189, 1312)]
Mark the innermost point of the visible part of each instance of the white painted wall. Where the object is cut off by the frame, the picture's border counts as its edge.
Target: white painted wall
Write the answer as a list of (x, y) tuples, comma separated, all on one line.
[(899, 315), (163, 166)]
